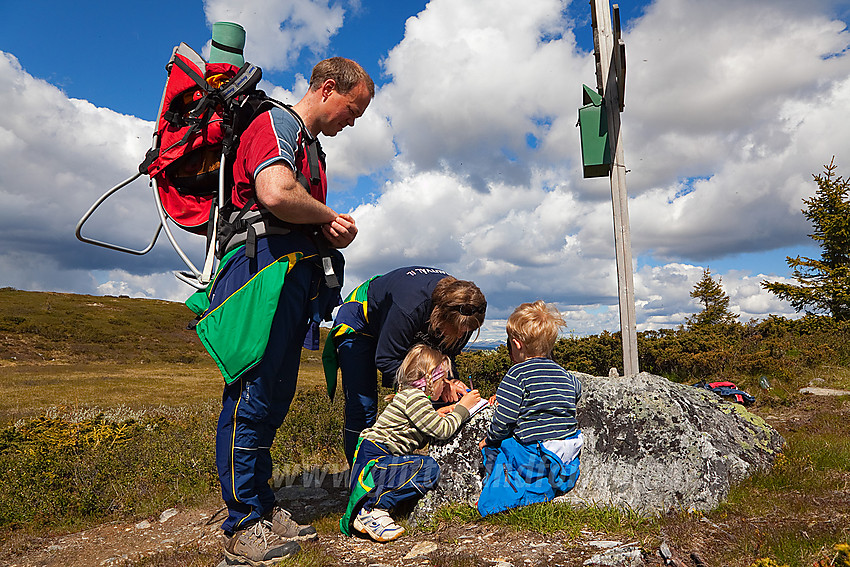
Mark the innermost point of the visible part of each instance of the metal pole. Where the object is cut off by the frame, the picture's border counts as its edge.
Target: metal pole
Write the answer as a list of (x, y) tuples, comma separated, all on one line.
[(610, 65)]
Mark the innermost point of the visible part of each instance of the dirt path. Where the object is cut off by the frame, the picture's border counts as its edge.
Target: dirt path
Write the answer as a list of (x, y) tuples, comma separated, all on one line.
[(121, 543)]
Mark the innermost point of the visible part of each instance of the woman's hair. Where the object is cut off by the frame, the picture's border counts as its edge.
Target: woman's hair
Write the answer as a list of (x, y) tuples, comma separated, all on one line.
[(345, 72), (458, 307), (535, 325), (417, 368)]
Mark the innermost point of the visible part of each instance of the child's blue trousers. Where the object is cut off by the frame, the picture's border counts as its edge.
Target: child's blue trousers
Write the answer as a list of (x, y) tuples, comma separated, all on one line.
[(397, 478)]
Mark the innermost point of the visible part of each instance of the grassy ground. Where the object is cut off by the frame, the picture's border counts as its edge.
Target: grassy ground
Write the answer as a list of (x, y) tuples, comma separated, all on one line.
[(78, 351), (115, 404), (27, 390)]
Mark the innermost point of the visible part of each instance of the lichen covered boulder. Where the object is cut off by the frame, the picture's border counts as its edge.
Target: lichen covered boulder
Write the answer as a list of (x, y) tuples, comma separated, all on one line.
[(461, 468), (651, 445)]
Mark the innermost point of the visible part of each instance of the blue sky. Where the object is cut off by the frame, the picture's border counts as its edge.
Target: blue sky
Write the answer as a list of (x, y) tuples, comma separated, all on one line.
[(468, 158), (110, 47)]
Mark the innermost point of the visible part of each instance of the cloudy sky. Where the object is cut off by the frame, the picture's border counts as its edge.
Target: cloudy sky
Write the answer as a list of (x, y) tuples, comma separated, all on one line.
[(468, 158)]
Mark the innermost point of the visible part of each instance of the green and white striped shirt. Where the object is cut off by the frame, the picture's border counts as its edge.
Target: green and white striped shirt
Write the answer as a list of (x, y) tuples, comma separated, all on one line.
[(409, 422)]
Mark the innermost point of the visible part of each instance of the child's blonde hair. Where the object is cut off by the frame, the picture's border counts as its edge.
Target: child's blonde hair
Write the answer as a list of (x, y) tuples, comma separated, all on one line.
[(417, 370), (536, 326)]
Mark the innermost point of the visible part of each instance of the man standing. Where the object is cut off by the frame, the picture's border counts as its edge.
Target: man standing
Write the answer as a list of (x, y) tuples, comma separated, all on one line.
[(278, 285)]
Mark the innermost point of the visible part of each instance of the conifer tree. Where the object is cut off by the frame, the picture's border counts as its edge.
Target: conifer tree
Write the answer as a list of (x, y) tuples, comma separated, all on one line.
[(715, 303), (823, 285)]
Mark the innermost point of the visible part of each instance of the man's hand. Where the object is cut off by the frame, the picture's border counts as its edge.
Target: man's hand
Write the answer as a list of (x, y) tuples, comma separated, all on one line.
[(341, 231), (482, 444)]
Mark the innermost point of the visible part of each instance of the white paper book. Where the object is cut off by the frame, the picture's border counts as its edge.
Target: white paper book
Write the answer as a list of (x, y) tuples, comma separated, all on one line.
[(477, 407)]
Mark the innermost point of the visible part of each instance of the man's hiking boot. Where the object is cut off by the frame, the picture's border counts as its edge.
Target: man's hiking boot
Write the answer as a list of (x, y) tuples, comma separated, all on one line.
[(258, 546), (378, 525), (284, 526)]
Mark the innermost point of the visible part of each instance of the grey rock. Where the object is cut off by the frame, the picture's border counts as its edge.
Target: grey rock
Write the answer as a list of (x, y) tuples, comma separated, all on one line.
[(296, 492), (605, 544), (168, 514), (618, 557), (422, 549), (307, 503), (824, 392), (651, 445), (460, 460)]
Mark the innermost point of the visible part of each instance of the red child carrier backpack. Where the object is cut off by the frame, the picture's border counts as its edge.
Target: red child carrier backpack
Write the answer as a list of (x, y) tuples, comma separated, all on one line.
[(196, 118), (204, 108)]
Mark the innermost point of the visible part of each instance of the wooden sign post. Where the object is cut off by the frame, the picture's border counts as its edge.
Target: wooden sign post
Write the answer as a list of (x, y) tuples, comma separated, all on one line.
[(610, 53)]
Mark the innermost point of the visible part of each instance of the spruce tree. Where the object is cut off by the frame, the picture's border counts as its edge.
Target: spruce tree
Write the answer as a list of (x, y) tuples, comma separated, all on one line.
[(715, 303), (823, 285)]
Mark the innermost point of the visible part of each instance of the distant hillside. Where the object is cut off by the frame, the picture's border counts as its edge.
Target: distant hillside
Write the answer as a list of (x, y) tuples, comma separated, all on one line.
[(69, 328), (40, 327), (484, 345)]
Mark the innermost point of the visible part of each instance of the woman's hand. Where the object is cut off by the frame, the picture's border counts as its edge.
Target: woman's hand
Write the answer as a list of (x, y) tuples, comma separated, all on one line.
[(453, 391)]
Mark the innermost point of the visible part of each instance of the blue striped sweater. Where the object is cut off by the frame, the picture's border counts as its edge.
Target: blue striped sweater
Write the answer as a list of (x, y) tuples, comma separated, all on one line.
[(536, 402)]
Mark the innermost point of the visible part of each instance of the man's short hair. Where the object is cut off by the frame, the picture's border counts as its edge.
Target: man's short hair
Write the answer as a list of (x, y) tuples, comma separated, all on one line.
[(536, 326), (345, 72)]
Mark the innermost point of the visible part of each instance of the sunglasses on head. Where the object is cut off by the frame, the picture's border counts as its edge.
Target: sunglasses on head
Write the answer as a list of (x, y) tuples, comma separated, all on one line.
[(469, 310)]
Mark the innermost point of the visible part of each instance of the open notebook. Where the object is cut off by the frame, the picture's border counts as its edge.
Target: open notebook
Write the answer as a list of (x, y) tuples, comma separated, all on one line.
[(477, 407)]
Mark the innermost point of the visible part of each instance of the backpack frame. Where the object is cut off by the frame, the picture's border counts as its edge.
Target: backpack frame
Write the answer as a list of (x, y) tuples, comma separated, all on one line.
[(204, 109)]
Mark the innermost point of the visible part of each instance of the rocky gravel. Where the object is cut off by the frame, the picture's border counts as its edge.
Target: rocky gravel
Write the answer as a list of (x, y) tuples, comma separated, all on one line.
[(120, 544)]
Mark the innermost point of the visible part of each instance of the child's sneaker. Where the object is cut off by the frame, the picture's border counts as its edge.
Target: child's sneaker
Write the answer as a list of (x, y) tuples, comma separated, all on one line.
[(258, 546), (284, 526), (378, 525)]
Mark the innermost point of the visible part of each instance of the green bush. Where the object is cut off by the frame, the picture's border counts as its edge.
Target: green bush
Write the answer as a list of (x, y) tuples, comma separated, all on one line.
[(775, 347), (484, 369), (61, 473), (595, 354)]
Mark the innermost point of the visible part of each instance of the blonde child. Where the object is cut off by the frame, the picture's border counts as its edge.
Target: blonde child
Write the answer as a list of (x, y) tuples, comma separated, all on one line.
[(533, 442), (385, 474)]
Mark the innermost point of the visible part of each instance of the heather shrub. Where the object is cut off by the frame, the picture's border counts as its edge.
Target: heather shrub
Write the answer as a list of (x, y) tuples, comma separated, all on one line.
[(484, 369), (60, 472), (776, 347)]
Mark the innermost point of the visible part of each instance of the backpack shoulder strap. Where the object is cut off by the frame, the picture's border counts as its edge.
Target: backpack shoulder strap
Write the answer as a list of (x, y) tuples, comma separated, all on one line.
[(244, 81), (268, 223), (312, 147)]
